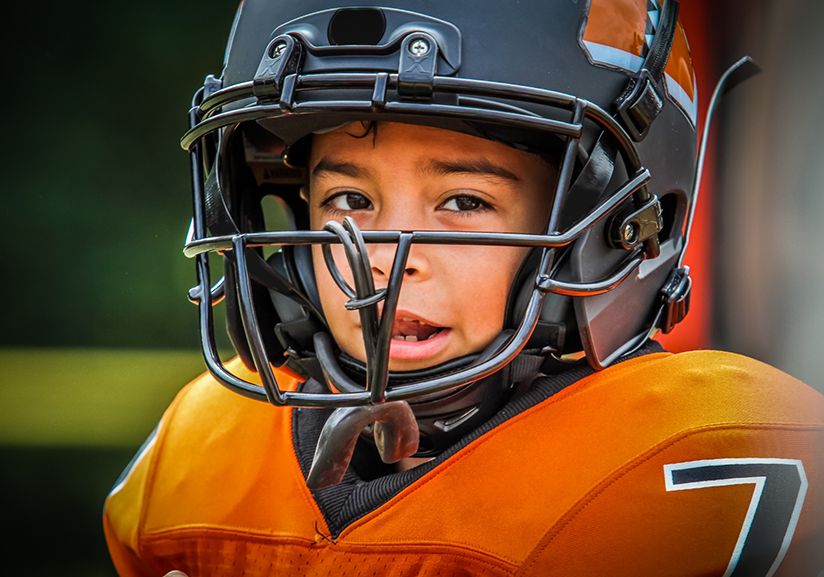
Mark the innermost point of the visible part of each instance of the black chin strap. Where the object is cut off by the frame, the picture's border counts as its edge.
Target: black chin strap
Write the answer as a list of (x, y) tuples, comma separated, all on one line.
[(643, 99)]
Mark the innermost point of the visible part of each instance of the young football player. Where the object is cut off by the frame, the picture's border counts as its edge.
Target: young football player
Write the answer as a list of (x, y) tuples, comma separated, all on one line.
[(448, 232)]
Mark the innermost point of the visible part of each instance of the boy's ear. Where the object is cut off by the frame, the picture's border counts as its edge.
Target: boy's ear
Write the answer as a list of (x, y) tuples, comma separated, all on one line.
[(304, 193)]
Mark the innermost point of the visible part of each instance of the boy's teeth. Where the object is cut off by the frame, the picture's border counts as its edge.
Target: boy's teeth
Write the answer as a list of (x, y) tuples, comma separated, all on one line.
[(413, 338), (409, 330)]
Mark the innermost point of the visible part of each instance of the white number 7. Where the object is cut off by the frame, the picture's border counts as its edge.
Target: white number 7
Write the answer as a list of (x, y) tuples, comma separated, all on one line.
[(777, 498)]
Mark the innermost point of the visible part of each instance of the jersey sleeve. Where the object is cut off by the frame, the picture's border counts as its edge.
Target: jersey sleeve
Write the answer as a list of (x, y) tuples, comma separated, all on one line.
[(122, 512), (158, 490)]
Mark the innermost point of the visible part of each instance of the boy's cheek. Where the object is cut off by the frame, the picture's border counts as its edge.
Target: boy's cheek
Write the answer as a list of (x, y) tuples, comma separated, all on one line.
[(467, 292), (485, 271)]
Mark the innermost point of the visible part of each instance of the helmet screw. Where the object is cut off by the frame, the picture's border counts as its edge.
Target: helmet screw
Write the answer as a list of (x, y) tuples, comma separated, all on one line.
[(278, 49), (630, 233), (419, 47)]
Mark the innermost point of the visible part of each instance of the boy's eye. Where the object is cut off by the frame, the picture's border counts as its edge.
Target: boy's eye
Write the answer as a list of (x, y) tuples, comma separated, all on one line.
[(349, 201), (463, 203)]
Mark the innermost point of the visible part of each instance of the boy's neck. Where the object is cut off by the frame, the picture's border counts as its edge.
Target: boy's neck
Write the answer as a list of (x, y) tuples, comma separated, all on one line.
[(410, 463)]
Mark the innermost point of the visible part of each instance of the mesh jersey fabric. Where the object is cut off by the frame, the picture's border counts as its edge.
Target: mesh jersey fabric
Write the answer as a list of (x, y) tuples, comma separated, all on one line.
[(593, 479)]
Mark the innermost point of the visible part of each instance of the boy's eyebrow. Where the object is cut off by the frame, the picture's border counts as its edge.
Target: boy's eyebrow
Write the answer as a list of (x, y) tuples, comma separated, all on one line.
[(344, 168), (481, 167)]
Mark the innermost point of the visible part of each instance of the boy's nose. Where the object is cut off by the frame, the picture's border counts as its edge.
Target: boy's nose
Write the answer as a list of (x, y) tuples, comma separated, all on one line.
[(382, 256), (403, 214)]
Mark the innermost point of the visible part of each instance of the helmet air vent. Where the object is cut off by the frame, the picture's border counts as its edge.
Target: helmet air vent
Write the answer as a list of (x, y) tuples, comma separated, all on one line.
[(356, 26)]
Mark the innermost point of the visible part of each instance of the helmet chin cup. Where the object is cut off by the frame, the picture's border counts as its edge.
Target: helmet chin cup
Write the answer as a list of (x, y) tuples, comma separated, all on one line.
[(394, 428)]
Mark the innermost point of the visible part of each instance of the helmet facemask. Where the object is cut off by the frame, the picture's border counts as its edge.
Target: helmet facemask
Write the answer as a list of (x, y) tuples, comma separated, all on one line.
[(601, 241)]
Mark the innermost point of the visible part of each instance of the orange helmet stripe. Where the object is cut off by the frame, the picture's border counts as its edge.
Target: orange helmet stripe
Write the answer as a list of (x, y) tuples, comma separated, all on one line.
[(615, 35), (619, 24)]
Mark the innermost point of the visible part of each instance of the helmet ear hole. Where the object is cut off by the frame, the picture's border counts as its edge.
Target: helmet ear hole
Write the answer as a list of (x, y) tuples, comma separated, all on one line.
[(276, 213), (673, 211)]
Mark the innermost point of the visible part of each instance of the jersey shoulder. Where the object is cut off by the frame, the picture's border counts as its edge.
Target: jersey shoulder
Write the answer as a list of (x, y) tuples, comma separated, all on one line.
[(714, 382), (213, 455), (721, 471)]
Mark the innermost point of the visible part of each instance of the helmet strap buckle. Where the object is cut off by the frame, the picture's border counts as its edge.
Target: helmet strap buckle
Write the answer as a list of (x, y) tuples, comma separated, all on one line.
[(636, 224), (676, 293), (643, 105), (643, 99)]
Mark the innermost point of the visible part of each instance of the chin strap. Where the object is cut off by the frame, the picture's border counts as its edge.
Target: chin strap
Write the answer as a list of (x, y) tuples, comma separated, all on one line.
[(643, 99)]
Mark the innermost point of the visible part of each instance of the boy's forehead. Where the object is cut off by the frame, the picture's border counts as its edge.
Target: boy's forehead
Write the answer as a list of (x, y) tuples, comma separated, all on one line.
[(352, 149)]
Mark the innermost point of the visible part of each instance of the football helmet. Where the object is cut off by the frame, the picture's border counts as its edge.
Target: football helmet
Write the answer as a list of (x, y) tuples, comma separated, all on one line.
[(605, 86)]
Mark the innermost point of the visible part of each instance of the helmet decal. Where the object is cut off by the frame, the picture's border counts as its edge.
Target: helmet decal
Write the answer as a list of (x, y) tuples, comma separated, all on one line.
[(617, 34), (680, 76)]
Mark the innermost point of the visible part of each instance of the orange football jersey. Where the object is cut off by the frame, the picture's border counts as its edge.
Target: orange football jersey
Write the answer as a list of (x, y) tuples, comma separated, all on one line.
[(701, 463)]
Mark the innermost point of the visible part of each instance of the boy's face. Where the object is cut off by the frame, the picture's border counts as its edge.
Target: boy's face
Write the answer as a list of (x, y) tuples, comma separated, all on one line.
[(453, 298)]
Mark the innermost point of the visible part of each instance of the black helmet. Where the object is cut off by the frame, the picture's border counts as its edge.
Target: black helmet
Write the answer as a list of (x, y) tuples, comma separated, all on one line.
[(604, 86)]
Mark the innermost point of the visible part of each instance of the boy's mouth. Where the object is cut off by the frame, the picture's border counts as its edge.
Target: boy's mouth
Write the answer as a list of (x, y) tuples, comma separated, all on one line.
[(413, 330)]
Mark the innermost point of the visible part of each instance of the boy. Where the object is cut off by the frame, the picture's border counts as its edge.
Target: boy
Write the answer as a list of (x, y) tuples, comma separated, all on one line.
[(458, 234)]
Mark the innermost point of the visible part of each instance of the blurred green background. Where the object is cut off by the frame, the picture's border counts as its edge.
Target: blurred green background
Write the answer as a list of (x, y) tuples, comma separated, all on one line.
[(97, 335)]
